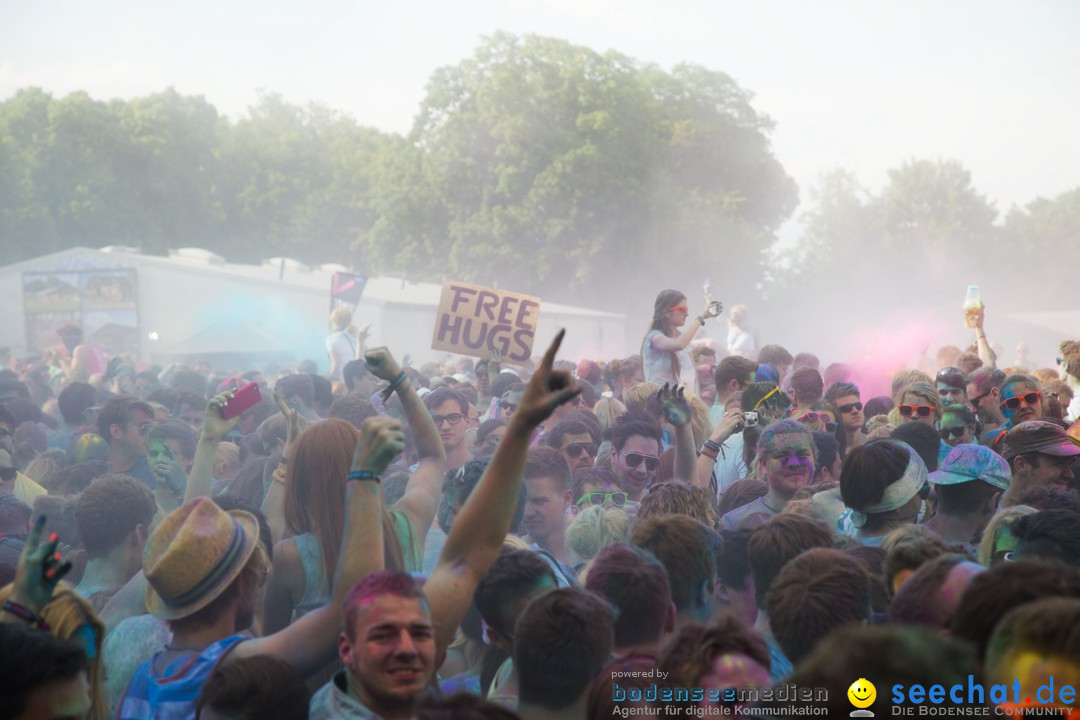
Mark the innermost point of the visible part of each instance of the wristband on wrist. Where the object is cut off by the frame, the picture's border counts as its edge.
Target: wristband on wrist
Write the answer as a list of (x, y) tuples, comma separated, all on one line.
[(25, 613), (395, 385), (364, 475)]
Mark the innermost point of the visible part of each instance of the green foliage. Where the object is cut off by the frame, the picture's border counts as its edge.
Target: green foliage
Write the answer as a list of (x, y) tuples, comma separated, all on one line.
[(534, 164), (926, 229), (544, 166)]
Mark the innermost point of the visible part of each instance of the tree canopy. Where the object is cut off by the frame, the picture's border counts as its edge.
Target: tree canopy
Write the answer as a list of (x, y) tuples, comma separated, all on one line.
[(535, 165)]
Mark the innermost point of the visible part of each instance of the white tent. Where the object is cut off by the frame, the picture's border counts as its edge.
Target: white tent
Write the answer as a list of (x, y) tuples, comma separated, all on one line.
[(194, 304)]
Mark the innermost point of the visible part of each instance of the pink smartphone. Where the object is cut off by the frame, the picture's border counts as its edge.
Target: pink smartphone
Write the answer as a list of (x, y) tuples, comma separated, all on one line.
[(245, 396)]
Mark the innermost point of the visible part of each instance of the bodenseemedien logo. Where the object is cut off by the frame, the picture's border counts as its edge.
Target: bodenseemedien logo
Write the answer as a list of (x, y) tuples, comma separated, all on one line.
[(862, 694)]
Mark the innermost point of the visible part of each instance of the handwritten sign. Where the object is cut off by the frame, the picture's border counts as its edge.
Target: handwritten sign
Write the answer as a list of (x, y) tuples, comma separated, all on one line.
[(474, 320)]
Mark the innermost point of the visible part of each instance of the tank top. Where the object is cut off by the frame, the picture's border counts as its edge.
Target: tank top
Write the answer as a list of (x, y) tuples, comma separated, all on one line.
[(657, 364), (317, 585), (172, 694)]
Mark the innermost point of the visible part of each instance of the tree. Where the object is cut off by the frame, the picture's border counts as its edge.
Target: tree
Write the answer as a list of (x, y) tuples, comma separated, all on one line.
[(544, 166), (927, 227), (1046, 234)]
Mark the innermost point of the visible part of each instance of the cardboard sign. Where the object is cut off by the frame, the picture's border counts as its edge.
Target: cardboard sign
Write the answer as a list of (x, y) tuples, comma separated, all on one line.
[(474, 320)]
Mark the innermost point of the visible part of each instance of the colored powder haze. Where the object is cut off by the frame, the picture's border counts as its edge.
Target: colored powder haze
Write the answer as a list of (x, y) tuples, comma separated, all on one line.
[(862, 86)]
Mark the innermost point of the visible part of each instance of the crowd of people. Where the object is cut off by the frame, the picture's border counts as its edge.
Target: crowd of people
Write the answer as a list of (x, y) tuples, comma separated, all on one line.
[(699, 529)]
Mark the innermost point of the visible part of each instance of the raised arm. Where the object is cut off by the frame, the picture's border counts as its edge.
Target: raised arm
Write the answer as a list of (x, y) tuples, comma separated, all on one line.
[(986, 354), (706, 461), (215, 428), (273, 504), (424, 490), (311, 642), (477, 534), (666, 344), (678, 413)]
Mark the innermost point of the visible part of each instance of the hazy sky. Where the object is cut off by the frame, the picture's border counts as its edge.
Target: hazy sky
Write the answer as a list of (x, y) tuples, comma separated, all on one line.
[(861, 85)]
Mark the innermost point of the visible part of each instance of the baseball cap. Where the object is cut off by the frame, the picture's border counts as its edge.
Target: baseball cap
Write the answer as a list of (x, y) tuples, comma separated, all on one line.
[(1039, 436), (965, 463)]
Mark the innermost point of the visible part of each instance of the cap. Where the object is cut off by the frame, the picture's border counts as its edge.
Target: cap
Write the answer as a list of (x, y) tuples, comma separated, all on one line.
[(1039, 436), (965, 463)]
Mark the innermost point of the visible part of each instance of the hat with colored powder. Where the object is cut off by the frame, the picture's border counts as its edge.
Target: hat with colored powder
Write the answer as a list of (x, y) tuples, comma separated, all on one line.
[(194, 555), (1039, 436), (965, 463)]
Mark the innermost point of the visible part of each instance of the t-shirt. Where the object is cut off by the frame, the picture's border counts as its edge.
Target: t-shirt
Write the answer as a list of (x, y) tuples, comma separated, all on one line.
[(779, 666), (748, 516), (657, 364), (341, 346), (333, 702), (141, 472), (741, 342)]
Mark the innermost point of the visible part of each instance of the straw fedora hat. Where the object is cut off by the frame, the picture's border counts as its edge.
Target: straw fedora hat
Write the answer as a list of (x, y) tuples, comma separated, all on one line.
[(193, 555)]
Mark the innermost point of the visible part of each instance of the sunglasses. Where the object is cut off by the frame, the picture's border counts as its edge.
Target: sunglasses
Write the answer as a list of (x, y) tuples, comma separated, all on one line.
[(508, 407), (635, 459), (617, 498), (975, 401), (683, 308), (452, 418), (845, 409), (7, 474), (815, 417), (576, 450), (956, 432), (143, 427), (767, 396), (920, 410), (951, 375), (1014, 402)]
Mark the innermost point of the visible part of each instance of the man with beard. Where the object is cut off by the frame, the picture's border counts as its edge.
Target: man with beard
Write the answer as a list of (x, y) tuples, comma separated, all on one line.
[(785, 455)]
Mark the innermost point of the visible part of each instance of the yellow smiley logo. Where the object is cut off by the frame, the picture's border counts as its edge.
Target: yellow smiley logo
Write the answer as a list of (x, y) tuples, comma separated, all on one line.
[(862, 693)]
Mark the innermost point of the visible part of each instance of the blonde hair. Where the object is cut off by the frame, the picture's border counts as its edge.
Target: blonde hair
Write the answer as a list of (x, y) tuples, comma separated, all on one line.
[(700, 424), (595, 528), (340, 317), (637, 396), (607, 411), (66, 612), (226, 459), (925, 392), (43, 467), (1002, 519)]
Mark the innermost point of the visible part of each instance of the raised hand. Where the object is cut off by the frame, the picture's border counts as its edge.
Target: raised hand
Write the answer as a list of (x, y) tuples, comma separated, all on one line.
[(382, 364), (731, 423), (674, 404), (546, 390), (712, 309), (40, 569), (381, 440), (293, 422), (215, 428), (978, 317)]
